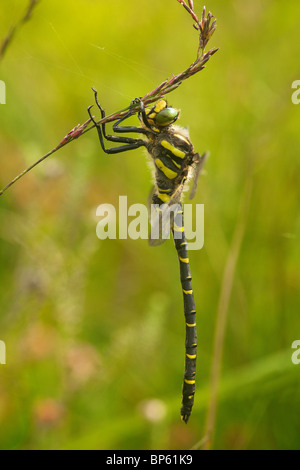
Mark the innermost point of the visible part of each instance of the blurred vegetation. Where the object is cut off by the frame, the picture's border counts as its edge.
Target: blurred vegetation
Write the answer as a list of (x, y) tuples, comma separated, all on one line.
[(83, 319)]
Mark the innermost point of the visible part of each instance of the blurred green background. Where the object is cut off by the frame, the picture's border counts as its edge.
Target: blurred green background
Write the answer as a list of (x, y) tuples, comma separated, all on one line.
[(94, 330)]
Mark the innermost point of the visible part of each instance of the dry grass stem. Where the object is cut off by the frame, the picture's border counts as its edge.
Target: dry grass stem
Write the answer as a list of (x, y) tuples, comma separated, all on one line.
[(205, 30), (8, 39)]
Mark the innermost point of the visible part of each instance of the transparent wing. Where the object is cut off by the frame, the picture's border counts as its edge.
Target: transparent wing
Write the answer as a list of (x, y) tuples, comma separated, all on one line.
[(198, 164), (162, 216)]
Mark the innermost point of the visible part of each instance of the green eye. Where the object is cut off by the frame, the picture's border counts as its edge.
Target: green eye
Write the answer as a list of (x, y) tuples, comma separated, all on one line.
[(166, 116)]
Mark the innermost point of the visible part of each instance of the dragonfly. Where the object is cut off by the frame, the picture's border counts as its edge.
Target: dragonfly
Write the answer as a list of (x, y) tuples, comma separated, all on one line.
[(174, 162)]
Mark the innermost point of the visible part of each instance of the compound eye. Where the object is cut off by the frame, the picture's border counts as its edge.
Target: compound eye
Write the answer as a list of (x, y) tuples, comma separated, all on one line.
[(166, 116)]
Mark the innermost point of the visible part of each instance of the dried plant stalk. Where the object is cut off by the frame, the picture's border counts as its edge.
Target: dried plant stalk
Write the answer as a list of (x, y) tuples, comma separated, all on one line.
[(8, 39), (205, 28)]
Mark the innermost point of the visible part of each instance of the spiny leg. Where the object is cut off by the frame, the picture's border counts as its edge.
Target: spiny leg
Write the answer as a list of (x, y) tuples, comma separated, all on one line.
[(131, 143)]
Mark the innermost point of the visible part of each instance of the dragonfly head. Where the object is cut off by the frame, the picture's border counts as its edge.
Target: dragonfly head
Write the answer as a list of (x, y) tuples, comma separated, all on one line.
[(162, 115)]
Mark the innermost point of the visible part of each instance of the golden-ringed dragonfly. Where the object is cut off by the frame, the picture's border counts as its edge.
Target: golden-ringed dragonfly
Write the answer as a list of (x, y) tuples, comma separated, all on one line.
[(175, 162)]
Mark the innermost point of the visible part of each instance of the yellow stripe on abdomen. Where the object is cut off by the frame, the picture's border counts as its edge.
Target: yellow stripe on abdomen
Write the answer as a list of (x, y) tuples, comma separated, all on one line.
[(188, 292), (189, 382), (177, 228), (191, 356), (164, 197)]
